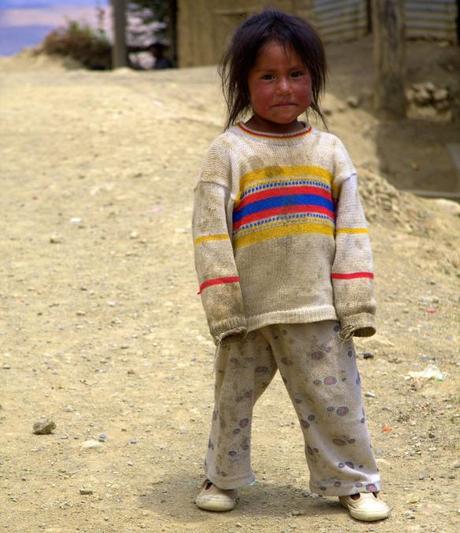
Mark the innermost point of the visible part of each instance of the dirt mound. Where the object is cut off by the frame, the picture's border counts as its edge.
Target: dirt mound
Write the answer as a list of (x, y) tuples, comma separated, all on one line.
[(34, 59)]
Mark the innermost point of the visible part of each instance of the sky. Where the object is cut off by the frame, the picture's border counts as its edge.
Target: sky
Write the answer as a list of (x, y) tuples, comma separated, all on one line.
[(24, 23)]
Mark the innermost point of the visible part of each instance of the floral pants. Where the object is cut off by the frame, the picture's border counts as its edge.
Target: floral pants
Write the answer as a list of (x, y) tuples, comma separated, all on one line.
[(323, 382)]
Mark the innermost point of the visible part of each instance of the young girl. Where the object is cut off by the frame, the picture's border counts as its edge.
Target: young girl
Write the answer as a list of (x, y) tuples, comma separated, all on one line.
[(285, 269)]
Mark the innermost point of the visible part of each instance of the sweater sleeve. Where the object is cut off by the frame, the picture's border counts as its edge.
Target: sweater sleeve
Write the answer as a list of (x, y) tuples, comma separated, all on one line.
[(352, 270), (218, 277)]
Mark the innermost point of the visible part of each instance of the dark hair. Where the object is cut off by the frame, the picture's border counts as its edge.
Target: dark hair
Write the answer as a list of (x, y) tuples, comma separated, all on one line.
[(248, 39)]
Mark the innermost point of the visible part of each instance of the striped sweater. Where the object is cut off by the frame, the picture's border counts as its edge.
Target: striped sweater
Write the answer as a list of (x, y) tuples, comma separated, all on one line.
[(280, 235)]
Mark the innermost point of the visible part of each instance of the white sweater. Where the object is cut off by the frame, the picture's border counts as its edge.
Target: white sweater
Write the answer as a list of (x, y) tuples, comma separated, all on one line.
[(280, 235)]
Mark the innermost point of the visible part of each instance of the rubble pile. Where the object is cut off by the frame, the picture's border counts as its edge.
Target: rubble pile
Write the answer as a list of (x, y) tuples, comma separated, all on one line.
[(385, 205), (429, 102)]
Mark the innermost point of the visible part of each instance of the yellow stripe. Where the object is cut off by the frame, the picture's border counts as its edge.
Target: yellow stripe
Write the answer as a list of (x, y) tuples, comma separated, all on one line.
[(281, 231), (216, 237), (352, 230), (261, 175)]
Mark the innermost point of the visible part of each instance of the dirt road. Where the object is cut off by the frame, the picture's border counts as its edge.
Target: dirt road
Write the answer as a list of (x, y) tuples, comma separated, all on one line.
[(101, 329)]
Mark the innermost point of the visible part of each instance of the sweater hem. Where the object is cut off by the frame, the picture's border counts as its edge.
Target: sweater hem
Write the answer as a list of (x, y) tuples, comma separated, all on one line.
[(293, 316), (221, 329), (358, 325)]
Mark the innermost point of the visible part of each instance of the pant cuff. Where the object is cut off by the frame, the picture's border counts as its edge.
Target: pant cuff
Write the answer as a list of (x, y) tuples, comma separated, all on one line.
[(226, 483), (346, 489)]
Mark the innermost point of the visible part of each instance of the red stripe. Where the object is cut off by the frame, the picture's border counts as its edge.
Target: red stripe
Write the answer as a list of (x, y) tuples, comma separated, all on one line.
[(283, 191), (266, 213), (218, 281), (354, 275)]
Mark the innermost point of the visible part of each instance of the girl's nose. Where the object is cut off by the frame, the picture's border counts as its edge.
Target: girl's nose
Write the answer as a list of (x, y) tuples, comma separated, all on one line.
[(283, 85)]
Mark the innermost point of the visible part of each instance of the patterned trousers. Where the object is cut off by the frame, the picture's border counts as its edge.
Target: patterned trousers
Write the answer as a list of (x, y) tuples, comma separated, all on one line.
[(323, 382)]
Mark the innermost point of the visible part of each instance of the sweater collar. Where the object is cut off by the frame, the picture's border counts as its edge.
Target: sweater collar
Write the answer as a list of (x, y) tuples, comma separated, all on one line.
[(277, 136)]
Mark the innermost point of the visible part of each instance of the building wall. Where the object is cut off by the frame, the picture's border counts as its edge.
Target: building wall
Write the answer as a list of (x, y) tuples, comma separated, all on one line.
[(205, 26), (432, 19), (339, 20)]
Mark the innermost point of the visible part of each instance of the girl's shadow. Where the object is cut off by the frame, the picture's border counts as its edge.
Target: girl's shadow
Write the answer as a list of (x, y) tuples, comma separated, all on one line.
[(174, 497)]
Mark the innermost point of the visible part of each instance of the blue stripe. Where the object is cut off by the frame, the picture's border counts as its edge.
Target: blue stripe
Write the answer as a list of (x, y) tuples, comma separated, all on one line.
[(281, 201), (292, 216)]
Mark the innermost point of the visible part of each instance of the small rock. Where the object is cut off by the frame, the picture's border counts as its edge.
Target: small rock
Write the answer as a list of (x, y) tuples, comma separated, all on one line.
[(44, 426), (131, 372), (422, 97), (91, 445), (448, 206), (85, 491), (368, 355), (429, 86), (75, 221), (102, 437), (430, 372), (370, 394), (55, 239), (353, 102), (440, 95), (442, 105)]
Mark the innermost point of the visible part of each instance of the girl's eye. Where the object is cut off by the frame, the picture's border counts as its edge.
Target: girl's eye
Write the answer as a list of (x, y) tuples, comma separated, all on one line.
[(267, 77), (297, 74)]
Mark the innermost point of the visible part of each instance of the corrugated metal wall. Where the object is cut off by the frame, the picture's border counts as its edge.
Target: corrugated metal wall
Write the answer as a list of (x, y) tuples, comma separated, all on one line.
[(348, 19), (431, 19), (339, 20)]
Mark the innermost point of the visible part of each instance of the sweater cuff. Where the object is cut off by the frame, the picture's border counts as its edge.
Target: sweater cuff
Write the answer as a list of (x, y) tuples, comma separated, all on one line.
[(360, 325), (230, 326)]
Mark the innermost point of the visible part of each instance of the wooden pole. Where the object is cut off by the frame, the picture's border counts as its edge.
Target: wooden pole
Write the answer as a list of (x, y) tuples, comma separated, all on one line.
[(389, 56), (172, 29), (119, 51)]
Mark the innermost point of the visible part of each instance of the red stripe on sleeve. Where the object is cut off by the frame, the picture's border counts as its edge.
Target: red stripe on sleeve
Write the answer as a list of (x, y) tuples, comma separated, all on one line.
[(353, 275), (218, 281)]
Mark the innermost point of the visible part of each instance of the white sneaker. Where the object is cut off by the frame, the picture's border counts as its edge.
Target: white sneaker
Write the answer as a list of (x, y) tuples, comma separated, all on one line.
[(211, 498), (368, 507)]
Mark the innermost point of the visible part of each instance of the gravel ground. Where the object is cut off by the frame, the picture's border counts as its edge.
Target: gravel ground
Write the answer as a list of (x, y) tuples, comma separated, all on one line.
[(102, 332)]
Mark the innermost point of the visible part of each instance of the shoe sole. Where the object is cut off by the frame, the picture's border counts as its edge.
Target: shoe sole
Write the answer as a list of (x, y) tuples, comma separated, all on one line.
[(367, 517), (215, 506)]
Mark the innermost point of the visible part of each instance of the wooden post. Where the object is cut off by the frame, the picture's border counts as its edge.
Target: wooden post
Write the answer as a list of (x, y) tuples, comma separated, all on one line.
[(389, 56), (119, 51), (172, 29)]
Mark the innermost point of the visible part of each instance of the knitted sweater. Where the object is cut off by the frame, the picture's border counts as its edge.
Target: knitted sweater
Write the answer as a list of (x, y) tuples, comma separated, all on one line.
[(280, 235)]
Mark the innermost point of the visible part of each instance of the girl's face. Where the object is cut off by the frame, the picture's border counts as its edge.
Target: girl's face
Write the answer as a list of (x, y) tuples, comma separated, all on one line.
[(279, 88)]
